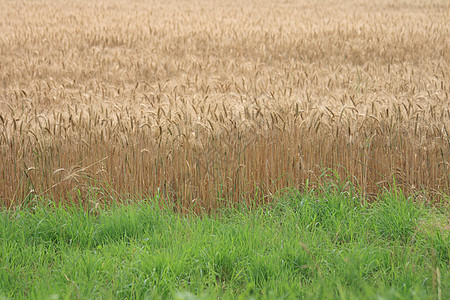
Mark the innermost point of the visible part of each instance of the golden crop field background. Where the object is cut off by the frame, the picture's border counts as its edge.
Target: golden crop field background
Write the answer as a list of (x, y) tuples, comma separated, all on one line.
[(206, 100)]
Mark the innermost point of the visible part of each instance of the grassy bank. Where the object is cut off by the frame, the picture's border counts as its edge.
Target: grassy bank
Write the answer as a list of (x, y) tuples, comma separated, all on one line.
[(313, 245)]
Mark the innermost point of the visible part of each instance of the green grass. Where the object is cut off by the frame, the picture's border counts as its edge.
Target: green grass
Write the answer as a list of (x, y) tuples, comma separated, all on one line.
[(314, 245)]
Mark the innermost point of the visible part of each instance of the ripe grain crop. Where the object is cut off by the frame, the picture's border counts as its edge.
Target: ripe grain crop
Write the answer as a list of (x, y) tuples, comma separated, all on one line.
[(205, 100)]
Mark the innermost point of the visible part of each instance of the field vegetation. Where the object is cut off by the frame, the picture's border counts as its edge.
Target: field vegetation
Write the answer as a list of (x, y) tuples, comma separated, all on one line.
[(315, 245), (223, 149), (204, 100)]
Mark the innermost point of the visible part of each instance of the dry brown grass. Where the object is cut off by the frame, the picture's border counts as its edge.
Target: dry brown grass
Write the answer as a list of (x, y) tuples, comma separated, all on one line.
[(199, 99)]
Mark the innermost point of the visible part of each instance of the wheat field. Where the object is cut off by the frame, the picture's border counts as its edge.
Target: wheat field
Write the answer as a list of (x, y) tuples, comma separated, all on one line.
[(203, 101)]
